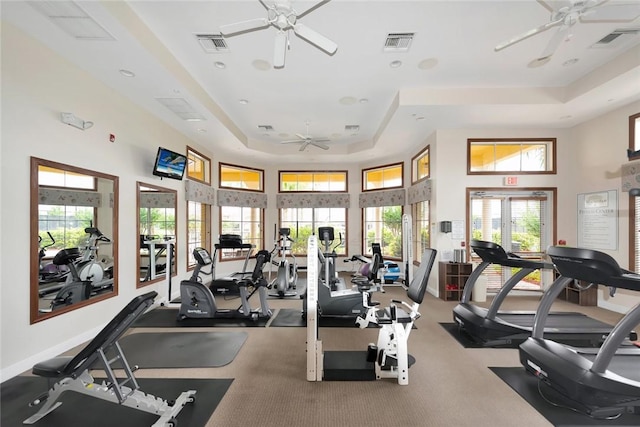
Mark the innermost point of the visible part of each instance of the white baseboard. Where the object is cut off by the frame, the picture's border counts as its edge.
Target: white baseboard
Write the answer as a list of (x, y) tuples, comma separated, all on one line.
[(613, 307), (26, 364)]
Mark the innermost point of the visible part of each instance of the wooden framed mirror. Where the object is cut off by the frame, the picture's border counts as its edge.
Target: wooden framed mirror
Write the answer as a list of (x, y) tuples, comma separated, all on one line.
[(73, 229), (157, 216)]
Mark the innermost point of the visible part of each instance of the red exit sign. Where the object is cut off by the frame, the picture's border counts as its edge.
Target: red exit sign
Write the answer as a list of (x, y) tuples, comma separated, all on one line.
[(510, 180)]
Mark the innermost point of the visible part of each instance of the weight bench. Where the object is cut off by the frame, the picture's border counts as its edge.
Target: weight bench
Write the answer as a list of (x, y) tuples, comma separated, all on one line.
[(72, 373), (391, 354)]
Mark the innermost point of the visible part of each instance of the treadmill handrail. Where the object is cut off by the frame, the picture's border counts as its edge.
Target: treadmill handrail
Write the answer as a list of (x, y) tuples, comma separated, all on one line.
[(471, 282), (544, 307), (504, 291), (614, 340)]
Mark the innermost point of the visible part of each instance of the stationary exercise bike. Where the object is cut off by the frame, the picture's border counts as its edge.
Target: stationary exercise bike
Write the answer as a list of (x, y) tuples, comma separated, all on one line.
[(90, 266), (347, 302), (390, 354), (287, 271), (198, 301)]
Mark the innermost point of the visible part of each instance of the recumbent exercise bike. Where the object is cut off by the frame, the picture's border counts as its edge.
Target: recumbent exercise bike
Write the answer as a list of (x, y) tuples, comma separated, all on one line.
[(198, 301)]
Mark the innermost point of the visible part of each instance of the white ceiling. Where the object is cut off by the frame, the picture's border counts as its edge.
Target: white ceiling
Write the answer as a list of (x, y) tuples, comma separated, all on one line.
[(470, 86)]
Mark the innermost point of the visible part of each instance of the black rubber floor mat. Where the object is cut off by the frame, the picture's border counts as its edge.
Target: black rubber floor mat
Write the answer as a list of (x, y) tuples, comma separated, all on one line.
[(168, 318), (81, 410), (182, 349), (526, 385)]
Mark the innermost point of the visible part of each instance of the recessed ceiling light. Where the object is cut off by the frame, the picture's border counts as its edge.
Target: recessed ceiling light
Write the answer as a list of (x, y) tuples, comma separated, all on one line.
[(283, 135), (335, 135), (127, 73), (363, 100), (395, 64), (428, 63), (348, 100), (219, 64), (260, 64), (202, 130), (538, 62), (244, 101), (570, 62)]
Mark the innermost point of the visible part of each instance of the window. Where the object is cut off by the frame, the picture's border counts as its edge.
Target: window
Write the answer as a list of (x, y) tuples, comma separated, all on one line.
[(197, 229), (383, 225), (158, 222), (634, 227), (66, 222), (52, 177), (422, 239), (241, 178), (382, 177), (198, 214), (304, 222), (309, 182), (198, 166), (634, 136), (519, 156), (243, 221), (420, 166)]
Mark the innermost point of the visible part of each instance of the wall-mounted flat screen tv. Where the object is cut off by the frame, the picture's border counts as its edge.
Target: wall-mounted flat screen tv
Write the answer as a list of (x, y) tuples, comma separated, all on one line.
[(169, 164)]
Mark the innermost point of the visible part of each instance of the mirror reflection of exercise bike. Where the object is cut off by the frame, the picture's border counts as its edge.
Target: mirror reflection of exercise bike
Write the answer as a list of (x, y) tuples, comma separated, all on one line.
[(284, 284), (198, 300), (50, 273), (89, 274)]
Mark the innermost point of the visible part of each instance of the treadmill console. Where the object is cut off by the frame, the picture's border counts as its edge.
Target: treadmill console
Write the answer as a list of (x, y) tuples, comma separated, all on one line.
[(202, 256)]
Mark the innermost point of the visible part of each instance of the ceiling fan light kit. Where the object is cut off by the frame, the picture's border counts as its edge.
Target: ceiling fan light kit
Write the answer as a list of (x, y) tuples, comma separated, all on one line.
[(282, 16), (566, 14)]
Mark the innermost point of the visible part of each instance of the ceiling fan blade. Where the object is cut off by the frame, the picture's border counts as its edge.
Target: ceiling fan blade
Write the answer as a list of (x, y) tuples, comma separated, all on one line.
[(291, 141), (546, 5), (528, 34), (302, 137), (613, 12), (304, 146), (315, 38), (321, 139), (280, 49), (312, 8), (555, 41), (320, 145), (249, 25)]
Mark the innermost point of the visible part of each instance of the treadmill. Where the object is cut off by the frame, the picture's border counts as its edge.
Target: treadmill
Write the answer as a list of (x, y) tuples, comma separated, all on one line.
[(602, 382), (493, 328)]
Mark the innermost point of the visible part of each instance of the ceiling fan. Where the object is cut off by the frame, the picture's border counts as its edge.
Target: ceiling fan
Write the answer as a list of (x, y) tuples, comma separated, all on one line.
[(306, 140), (566, 13), (283, 17)]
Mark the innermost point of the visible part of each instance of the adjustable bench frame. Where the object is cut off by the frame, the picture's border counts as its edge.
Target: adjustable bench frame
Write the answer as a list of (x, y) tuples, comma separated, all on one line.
[(72, 373)]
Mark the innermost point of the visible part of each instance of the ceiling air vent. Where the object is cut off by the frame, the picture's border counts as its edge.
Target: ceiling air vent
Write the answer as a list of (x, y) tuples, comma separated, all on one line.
[(265, 128), (615, 38), (212, 43), (398, 42), (352, 128)]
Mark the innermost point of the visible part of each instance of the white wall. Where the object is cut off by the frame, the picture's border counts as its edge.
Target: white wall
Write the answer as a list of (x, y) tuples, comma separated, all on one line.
[(600, 150), (37, 85)]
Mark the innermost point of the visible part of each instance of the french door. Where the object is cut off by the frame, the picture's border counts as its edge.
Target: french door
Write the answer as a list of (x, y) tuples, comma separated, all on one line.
[(518, 220)]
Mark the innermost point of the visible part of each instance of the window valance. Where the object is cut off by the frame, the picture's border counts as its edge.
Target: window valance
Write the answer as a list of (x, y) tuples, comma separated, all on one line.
[(313, 200), (198, 192), (382, 198), (630, 175), (157, 199), (60, 197), (419, 192), (243, 199)]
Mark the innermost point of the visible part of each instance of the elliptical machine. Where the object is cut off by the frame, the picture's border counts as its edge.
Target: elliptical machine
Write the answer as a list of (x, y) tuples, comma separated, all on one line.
[(287, 271), (328, 273), (197, 300)]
